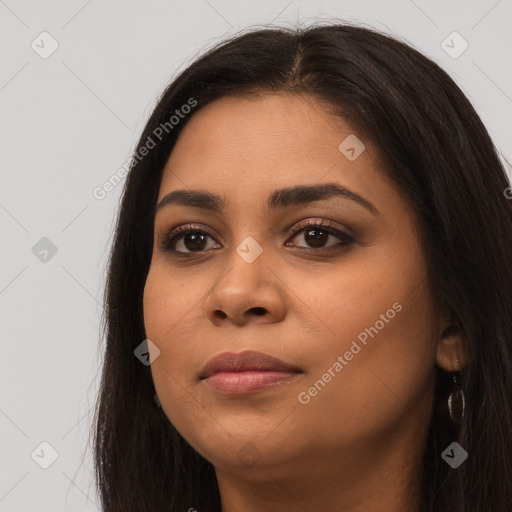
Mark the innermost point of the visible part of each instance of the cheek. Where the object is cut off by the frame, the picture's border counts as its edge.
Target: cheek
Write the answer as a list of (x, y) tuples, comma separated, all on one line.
[(170, 309), (166, 302), (160, 317), (386, 342)]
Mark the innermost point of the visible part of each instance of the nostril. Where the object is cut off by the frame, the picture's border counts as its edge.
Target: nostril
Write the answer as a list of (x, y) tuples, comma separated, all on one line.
[(258, 311)]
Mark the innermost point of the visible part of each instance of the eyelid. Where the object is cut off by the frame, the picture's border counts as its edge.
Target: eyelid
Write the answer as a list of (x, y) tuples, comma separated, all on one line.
[(344, 234), (166, 239), (319, 222)]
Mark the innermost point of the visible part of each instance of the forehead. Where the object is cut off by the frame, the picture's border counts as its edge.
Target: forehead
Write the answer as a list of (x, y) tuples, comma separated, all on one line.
[(244, 147), (276, 124)]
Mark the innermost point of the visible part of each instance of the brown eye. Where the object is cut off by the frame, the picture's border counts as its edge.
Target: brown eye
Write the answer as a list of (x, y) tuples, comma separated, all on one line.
[(191, 241), (185, 240), (194, 241), (317, 234), (316, 237)]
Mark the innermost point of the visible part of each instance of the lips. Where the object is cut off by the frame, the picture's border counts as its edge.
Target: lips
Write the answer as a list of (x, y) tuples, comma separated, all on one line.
[(247, 361), (246, 373)]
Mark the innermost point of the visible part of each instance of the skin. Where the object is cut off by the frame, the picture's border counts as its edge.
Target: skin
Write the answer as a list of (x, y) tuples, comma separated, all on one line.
[(356, 445)]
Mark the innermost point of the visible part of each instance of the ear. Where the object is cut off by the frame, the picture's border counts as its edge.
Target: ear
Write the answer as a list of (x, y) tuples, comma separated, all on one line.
[(452, 352)]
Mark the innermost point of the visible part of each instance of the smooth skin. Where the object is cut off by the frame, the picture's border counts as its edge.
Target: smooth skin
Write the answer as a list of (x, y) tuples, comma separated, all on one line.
[(357, 444)]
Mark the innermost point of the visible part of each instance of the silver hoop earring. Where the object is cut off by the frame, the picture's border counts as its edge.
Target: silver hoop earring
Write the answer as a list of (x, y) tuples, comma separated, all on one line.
[(456, 402), (157, 402)]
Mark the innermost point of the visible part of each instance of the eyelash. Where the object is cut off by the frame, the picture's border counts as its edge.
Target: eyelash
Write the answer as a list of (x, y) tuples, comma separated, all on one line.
[(167, 241)]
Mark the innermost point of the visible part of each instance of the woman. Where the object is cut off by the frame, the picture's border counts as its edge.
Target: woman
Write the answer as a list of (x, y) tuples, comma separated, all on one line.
[(309, 292)]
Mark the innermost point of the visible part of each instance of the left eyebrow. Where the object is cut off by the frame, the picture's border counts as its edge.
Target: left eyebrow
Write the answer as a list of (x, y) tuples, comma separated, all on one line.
[(281, 198)]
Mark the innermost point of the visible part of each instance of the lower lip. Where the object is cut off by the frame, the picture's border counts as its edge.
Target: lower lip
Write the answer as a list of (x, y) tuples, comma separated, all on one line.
[(240, 383)]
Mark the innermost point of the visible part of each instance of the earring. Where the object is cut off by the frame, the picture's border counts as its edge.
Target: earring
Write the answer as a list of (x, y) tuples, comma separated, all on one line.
[(456, 402), (157, 402)]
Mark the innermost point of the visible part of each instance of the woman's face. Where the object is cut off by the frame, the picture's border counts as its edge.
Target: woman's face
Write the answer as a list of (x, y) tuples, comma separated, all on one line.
[(351, 312)]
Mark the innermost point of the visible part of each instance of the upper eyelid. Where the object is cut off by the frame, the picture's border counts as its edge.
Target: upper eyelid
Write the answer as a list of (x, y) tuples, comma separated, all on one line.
[(334, 228)]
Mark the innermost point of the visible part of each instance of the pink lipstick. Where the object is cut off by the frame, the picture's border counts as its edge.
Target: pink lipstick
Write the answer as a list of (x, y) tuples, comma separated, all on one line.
[(246, 372)]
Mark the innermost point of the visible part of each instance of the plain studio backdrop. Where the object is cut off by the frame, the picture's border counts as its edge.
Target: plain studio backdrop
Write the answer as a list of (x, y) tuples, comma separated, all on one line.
[(78, 80)]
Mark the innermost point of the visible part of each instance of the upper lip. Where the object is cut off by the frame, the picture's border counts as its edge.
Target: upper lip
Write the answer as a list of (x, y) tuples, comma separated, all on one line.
[(245, 361)]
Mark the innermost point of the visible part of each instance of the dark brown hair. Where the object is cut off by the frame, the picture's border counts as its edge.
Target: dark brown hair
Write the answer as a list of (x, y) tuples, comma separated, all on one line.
[(435, 149)]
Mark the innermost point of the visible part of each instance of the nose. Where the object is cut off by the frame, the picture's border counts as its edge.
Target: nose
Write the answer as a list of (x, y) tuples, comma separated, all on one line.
[(246, 292)]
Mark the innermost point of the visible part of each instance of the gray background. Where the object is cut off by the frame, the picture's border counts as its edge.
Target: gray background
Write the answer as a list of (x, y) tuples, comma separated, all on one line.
[(69, 121)]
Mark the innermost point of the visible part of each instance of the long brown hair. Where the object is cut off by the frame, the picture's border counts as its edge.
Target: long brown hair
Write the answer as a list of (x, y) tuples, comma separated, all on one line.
[(435, 148)]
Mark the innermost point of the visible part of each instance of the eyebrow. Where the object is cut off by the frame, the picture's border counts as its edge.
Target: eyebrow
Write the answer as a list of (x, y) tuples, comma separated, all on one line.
[(281, 198)]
